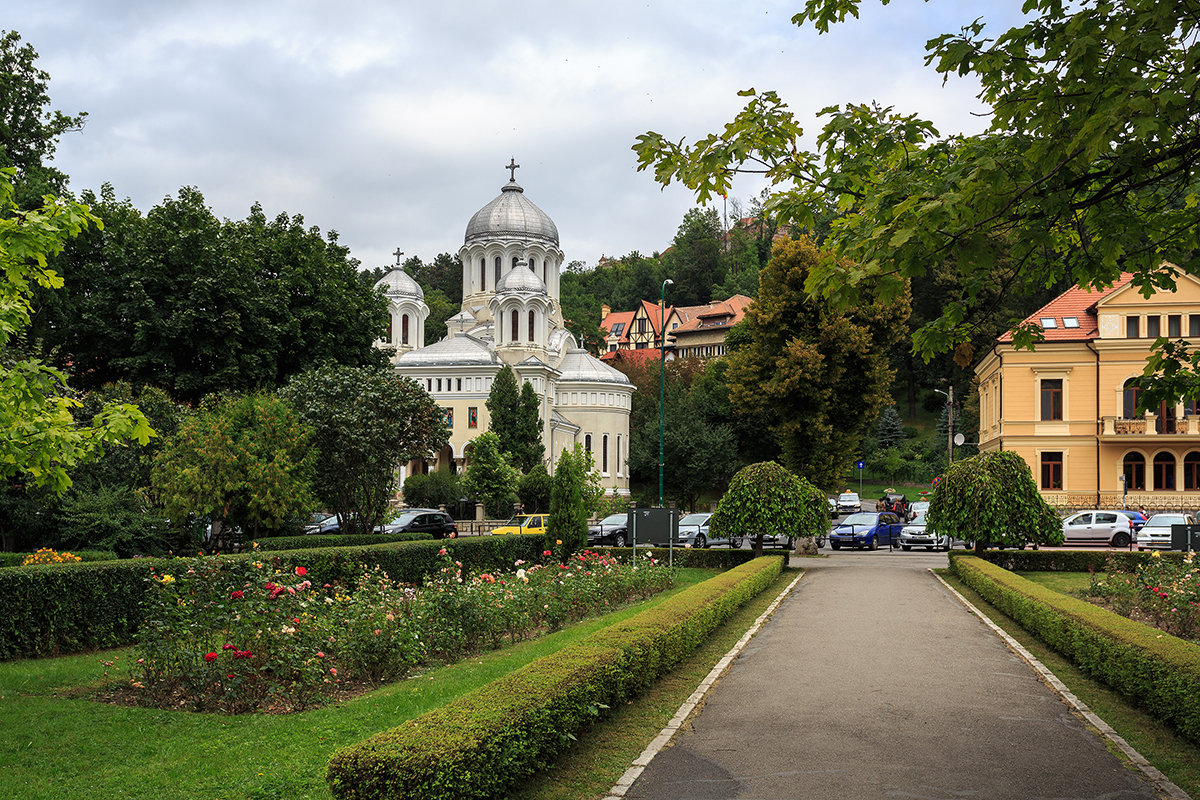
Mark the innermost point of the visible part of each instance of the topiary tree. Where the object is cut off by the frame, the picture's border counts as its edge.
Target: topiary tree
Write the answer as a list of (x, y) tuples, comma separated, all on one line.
[(765, 499), (992, 498), (490, 478), (575, 494)]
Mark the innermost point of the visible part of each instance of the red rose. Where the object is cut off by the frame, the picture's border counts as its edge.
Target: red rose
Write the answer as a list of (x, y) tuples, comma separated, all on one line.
[(236, 594), (301, 571), (210, 656)]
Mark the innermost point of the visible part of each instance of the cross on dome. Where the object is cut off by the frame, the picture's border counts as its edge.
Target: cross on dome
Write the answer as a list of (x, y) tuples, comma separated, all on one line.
[(397, 254), (512, 168)]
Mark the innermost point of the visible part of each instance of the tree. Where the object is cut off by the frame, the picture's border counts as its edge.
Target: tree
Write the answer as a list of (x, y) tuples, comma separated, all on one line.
[(367, 421), (528, 434), (765, 499), (992, 498), (534, 489), (1087, 168), (242, 461), (490, 478), (28, 130), (695, 261), (434, 489), (515, 419), (819, 375), (184, 301), (39, 438), (575, 493), (889, 429)]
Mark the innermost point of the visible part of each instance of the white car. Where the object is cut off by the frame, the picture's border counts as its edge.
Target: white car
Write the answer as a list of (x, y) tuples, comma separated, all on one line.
[(1156, 533), (916, 509), (848, 503), (1098, 527), (917, 534)]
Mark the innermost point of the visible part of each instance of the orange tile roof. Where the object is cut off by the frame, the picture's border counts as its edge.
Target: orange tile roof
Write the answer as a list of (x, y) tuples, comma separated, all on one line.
[(613, 318), (706, 317), (635, 356), (1076, 303)]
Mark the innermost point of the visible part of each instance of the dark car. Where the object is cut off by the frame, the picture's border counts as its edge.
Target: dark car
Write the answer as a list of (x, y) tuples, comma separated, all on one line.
[(613, 529), (321, 522), (423, 520), (867, 530), (1136, 519)]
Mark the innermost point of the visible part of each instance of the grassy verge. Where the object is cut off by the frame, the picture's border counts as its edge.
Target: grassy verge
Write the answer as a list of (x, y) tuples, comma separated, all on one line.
[(1178, 758), (601, 756), (54, 746), (1069, 583)]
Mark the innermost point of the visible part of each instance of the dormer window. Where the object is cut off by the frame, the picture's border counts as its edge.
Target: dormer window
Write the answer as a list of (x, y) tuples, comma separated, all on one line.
[(1070, 322), (1048, 323)]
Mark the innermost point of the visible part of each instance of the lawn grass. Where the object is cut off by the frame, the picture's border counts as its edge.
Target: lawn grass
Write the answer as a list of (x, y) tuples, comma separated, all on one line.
[(55, 746), (1178, 758), (601, 755), (1074, 584)]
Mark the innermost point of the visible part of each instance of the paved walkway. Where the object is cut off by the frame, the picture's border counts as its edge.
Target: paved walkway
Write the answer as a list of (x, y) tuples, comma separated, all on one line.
[(872, 680)]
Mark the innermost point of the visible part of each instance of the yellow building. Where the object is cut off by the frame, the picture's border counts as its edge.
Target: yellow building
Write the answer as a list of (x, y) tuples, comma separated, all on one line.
[(1068, 406)]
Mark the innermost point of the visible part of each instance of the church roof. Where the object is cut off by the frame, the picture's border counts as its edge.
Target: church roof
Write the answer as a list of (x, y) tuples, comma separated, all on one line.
[(521, 279), (579, 365), (511, 215), (398, 283), (460, 349)]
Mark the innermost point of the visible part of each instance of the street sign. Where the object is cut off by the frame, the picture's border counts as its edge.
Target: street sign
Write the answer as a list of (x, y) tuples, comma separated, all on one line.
[(861, 465)]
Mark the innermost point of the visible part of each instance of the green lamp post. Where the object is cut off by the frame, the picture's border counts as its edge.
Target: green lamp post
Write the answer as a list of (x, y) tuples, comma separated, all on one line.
[(662, 376)]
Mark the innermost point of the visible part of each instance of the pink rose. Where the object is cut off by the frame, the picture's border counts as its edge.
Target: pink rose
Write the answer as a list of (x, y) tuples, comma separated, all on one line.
[(301, 571), (210, 656)]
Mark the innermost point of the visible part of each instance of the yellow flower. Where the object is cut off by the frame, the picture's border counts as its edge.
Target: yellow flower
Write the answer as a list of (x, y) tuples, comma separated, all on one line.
[(165, 579)]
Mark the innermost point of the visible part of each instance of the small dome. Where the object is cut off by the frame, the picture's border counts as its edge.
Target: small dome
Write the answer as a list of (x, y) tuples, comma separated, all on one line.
[(521, 279), (581, 366), (457, 350), (398, 284), (511, 215)]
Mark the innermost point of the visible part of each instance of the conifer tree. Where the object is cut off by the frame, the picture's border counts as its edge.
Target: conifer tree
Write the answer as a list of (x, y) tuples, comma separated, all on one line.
[(529, 448), (503, 401)]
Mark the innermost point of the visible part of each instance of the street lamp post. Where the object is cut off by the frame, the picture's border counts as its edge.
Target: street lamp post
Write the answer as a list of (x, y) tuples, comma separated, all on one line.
[(662, 377)]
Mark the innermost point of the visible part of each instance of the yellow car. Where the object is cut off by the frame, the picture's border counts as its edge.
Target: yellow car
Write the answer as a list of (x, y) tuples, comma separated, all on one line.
[(531, 523)]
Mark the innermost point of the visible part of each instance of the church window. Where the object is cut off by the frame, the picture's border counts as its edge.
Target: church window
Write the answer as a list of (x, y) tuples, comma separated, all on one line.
[(531, 325), (587, 443), (403, 329), (515, 260), (604, 454), (449, 414), (497, 269), (458, 384), (482, 275), (618, 455), (429, 384), (473, 417), (439, 380), (516, 326)]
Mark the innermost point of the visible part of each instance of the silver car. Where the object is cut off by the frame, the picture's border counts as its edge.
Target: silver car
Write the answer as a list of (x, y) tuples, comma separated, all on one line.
[(917, 534), (1156, 533), (1099, 527), (693, 532)]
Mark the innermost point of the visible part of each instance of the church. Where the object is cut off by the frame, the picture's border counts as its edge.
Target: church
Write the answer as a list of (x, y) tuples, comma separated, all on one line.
[(510, 314)]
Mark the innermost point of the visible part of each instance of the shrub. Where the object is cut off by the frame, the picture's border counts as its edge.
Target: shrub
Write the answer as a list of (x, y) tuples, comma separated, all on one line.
[(1152, 669), (485, 742), (309, 542), (48, 555)]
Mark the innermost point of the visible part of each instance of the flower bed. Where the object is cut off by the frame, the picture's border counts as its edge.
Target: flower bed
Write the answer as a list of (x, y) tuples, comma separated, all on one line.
[(238, 635), (1164, 592)]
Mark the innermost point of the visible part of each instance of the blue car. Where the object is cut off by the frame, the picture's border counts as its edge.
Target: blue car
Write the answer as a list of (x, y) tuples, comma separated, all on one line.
[(867, 531)]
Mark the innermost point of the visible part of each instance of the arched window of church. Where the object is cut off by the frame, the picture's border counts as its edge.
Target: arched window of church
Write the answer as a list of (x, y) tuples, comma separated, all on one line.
[(515, 260), (531, 325), (618, 454), (604, 454), (497, 269), (482, 275), (516, 325), (587, 443), (404, 329)]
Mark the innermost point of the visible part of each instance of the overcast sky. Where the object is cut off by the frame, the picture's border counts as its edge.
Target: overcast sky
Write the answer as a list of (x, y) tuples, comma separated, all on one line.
[(391, 122)]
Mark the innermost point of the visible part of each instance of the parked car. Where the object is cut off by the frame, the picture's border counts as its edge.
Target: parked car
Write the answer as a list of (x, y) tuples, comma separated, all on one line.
[(1136, 518), (322, 522), (917, 534), (1156, 533), (848, 503), (867, 529), (613, 529), (693, 532), (917, 508), (1098, 527), (833, 508), (523, 524), (422, 520)]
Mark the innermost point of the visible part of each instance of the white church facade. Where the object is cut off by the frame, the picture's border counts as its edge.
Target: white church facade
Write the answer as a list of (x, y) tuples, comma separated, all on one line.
[(510, 315)]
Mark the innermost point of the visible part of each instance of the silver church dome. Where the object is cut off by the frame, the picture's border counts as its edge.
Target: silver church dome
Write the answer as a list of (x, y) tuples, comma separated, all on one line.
[(511, 215), (521, 279), (398, 283)]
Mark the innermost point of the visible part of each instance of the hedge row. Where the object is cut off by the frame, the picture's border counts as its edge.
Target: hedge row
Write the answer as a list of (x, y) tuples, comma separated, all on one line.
[(1152, 669), (54, 609), (486, 742), (1064, 560), (310, 542), (715, 558), (15, 559)]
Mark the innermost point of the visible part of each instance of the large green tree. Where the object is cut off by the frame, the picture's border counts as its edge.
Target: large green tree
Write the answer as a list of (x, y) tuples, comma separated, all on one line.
[(193, 304), (367, 421), (1087, 168), (765, 499), (818, 375), (515, 419), (696, 260), (575, 494), (490, 478), (244, 462)]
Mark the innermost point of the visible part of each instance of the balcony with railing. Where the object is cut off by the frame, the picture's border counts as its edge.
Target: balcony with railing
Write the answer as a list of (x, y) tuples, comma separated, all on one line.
[(1149, 425)]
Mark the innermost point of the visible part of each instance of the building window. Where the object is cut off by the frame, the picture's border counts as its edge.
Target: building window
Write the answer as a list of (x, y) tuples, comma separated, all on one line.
[(1052, 399), (1152, 323), (497, 270), (531, 318), (482, 275), (1174, 326), (458, 384), (1193, 324), (473, 417), (1164, 472), (604, 454), (516, 326), (1131, 396), (1191, 471), (1052, 470), (587, 443), (404, 329), (619, 454), (439, 382), (1132, 328), (449, 414), (1134, 470)]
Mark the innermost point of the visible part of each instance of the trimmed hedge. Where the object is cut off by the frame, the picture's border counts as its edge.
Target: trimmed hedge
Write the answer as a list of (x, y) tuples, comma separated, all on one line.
[(1064, 560), (54, 609), (715, 558), (276, 543), (1152, 669), (486, 742)]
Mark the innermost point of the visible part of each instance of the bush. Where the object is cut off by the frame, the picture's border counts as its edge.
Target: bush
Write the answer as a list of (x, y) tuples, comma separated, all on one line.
[(1062, 560), (1152, 669), (484, 743), (309, 542)]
